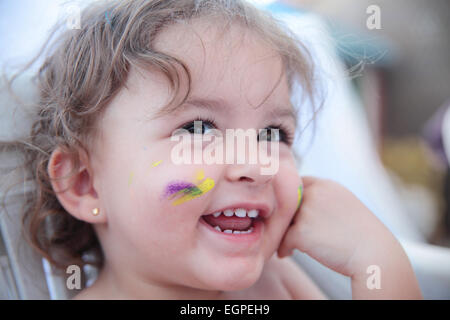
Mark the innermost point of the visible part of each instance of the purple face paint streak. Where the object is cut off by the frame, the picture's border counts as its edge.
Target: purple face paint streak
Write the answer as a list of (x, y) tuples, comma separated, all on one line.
[(176, 186)]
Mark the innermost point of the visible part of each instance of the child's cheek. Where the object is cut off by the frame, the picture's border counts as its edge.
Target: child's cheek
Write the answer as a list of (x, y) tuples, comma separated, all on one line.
[(289, 190), (179, 188)]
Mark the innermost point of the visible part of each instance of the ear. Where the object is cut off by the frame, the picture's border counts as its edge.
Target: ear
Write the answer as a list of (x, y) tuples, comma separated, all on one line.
[(75, 189)]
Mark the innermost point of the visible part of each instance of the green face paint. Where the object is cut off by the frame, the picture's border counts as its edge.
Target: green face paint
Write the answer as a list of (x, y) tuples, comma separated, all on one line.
[(195, 192), (180, 191), (300, 194)]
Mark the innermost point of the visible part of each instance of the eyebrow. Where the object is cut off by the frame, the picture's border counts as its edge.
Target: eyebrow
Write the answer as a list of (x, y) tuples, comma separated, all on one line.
[(285, 113), (222, 106), (209, 104)]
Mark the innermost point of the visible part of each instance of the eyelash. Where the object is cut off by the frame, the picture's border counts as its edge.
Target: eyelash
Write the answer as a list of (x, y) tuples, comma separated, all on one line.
[(286, 134), (207, 120)]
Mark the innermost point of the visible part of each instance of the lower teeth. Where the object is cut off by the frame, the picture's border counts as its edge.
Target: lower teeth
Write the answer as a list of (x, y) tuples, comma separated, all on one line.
[(235, 231)]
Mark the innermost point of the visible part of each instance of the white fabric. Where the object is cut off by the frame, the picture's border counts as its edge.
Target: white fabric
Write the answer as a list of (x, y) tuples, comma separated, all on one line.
[(342, 150)]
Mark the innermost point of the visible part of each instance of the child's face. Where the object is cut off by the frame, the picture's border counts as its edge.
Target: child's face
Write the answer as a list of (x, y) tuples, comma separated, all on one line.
[(146, 232)]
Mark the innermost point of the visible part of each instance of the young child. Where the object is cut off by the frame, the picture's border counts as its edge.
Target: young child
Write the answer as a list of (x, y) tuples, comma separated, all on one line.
[(107, 190)]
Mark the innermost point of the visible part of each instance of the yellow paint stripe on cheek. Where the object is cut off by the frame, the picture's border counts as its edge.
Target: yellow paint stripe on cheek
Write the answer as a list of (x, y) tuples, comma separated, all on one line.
[(200, 175), (156, 163), (204, 187)]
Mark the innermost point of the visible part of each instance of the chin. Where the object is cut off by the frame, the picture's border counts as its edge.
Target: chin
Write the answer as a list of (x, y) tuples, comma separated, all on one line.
[(236, 277)]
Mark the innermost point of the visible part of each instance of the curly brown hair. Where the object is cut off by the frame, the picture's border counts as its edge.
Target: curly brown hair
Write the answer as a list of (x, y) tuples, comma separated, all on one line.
[(83, 71)]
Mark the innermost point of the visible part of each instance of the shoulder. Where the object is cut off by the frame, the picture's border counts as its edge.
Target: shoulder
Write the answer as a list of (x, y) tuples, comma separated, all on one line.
[(292, 277)]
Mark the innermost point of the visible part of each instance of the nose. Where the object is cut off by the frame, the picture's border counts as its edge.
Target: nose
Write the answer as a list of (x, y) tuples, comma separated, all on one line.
[(247, 173)]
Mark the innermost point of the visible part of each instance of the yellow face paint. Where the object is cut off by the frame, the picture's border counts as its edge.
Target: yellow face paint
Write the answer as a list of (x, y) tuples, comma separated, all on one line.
[(193, 193), (300, 193), (185, 191), (156, 163), (130, 179), (200, 175), (206, 185)]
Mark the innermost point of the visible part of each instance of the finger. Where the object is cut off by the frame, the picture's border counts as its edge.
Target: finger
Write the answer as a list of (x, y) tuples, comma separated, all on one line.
[(284, 253), (287, 245)]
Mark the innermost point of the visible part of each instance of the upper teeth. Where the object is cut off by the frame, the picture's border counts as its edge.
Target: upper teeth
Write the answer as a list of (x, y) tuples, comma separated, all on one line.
[(239, 213)]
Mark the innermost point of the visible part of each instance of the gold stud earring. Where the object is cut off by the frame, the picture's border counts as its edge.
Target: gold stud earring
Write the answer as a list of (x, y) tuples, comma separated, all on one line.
[(95, 212)]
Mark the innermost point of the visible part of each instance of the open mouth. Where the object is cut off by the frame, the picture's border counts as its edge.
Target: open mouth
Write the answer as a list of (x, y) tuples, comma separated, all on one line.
[(236, 221)]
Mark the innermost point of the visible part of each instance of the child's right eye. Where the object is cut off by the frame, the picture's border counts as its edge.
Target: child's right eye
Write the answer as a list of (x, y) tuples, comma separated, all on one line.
[(200, 127)]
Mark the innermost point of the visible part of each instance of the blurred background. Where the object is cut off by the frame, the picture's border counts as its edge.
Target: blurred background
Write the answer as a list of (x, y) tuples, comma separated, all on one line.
[(384, 131), (401, 71)]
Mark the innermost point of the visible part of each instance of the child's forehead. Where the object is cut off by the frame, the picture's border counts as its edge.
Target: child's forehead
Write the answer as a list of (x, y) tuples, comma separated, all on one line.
[(222, 64), (213, 94), (198, 30), (200, 40)]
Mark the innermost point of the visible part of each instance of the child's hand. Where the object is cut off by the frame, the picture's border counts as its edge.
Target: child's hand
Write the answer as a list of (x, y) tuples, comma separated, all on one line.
[(336, 229), (331, 225)]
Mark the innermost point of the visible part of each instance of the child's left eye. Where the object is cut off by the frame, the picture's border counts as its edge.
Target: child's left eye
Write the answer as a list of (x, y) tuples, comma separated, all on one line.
[(200, 127), (274, 134)]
